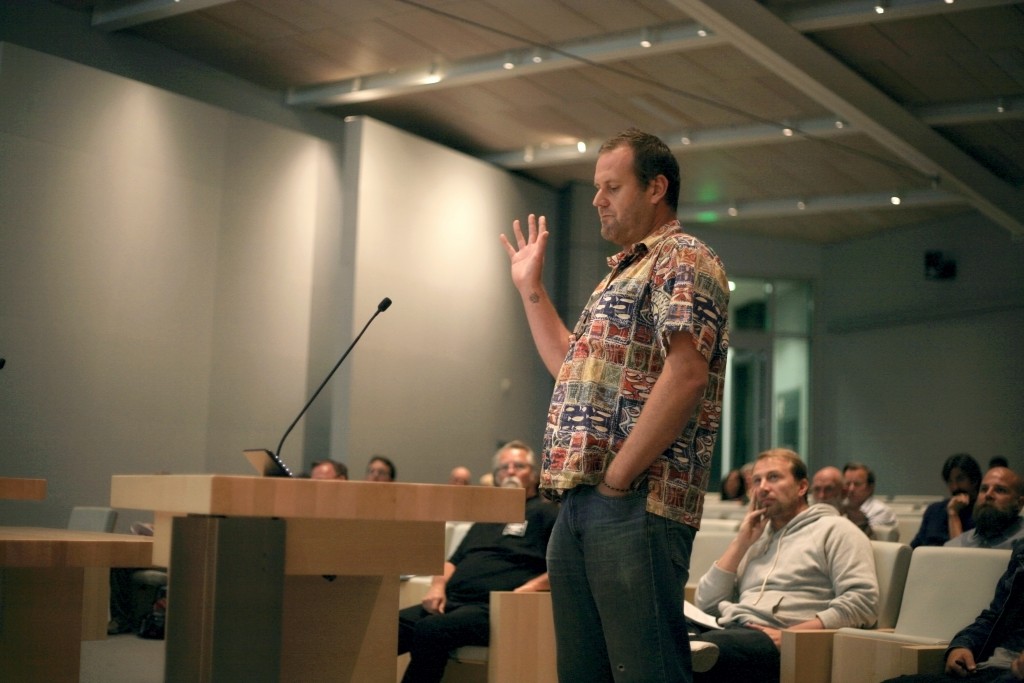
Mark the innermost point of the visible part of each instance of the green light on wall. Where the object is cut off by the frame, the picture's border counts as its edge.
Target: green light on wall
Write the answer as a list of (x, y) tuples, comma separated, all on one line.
[(707, 217)]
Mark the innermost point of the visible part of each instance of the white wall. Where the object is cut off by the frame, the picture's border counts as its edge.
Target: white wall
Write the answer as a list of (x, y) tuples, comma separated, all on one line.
[(916, 370), (449, 371), (176, 279), (156, 264)]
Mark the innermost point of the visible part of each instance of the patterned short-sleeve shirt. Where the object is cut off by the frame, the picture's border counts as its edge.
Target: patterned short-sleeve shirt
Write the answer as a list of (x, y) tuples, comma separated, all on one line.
[(669, 282)]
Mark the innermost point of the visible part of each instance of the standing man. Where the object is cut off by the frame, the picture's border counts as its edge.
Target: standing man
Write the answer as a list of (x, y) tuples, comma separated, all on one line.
[(632, 422)]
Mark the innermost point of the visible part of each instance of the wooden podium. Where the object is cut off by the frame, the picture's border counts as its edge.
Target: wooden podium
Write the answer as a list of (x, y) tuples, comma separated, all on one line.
[(278, 579), (42, 595)]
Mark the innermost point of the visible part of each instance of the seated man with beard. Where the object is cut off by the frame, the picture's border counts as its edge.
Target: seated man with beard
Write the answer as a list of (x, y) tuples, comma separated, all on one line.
[(997, 521)]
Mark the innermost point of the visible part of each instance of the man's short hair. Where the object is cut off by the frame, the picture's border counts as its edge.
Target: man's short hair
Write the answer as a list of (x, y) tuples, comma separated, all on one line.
[(966, 464), (514, 443), (651, 158), (340, 468), (796, 466), (860, 466)]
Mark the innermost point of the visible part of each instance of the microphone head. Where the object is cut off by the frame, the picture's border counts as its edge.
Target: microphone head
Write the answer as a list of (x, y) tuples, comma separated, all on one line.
[(383, 305)]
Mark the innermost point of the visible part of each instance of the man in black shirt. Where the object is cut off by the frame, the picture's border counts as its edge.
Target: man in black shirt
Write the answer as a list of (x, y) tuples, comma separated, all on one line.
[(491, 557)]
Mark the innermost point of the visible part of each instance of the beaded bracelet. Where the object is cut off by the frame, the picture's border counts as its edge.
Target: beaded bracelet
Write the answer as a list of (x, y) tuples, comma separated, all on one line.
[(615, 488)]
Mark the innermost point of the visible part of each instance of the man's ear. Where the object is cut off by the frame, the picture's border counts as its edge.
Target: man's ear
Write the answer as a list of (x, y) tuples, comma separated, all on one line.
[(658, 187)]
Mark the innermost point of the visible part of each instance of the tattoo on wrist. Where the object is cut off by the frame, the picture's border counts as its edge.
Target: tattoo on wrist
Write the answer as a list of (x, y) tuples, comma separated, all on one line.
[(534, 297)]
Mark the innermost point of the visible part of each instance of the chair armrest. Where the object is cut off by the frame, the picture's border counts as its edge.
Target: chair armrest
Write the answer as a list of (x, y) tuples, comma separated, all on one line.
[(806, 656), (689, 592), (923, 659), (522, 623), (412, 590), (864, 656)]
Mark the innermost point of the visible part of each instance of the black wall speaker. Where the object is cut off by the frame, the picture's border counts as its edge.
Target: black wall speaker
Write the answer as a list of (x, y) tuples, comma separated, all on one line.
[(938, 267)]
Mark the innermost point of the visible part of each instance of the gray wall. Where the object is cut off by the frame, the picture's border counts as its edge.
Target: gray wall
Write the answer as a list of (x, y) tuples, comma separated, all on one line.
[(176, 278), (449, 371), (914, 370)]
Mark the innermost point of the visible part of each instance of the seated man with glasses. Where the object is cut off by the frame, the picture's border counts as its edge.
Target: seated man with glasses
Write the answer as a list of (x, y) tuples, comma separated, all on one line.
[(492, 557)]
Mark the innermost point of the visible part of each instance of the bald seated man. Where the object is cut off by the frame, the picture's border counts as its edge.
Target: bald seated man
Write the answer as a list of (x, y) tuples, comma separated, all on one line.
[(460, 476), (827, 487)]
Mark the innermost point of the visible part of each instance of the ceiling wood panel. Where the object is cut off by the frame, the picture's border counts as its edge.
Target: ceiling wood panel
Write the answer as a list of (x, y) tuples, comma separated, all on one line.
[(967, 55)]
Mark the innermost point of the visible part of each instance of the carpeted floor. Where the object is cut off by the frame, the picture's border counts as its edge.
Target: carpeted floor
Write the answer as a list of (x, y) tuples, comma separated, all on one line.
[(122, 659)]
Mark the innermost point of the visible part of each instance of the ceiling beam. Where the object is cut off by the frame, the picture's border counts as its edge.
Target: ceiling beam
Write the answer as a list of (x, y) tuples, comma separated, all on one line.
[(526, 61), (957, 113), (114, 15), (769, 40), (806, 206)]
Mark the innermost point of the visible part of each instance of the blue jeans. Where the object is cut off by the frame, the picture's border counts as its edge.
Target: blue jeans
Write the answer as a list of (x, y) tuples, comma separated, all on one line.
[(617, 575)]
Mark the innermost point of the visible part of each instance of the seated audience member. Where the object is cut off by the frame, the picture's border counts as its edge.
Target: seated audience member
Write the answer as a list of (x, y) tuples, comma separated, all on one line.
[(998, 461), (380, 469), (486, 479), (951, 517), (871, 515), (733, 486), (792, 565), (997, 521), (491, 557), (827, 487), (460, 476), (991, 648), (329, 469), (748, 486)]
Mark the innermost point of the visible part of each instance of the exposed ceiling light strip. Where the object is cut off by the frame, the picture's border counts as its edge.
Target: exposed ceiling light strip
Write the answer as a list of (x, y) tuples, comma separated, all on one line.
[(113, 15), (528, 61), (778, 208), (979, 111)]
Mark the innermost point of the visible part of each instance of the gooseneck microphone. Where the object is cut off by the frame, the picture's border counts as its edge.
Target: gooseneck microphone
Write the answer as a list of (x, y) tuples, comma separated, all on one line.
[(276, 455)]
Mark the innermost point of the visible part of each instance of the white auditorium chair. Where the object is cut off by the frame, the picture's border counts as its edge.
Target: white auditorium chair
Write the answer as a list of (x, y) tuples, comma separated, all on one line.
[(946, 589), (909, 525), (96, 594), (708, 546), (88, 518), (807, 655), (729, 525)]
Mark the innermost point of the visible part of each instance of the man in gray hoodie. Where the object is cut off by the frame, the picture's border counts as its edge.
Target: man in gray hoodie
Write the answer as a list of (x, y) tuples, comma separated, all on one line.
[(791, 565)]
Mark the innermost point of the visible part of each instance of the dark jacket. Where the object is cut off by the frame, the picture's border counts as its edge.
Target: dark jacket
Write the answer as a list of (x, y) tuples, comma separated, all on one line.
[(1003, 619)]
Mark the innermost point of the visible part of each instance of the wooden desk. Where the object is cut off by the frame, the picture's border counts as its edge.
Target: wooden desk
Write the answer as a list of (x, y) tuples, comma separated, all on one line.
[(15, 488), (249, 556), (42, 574)]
